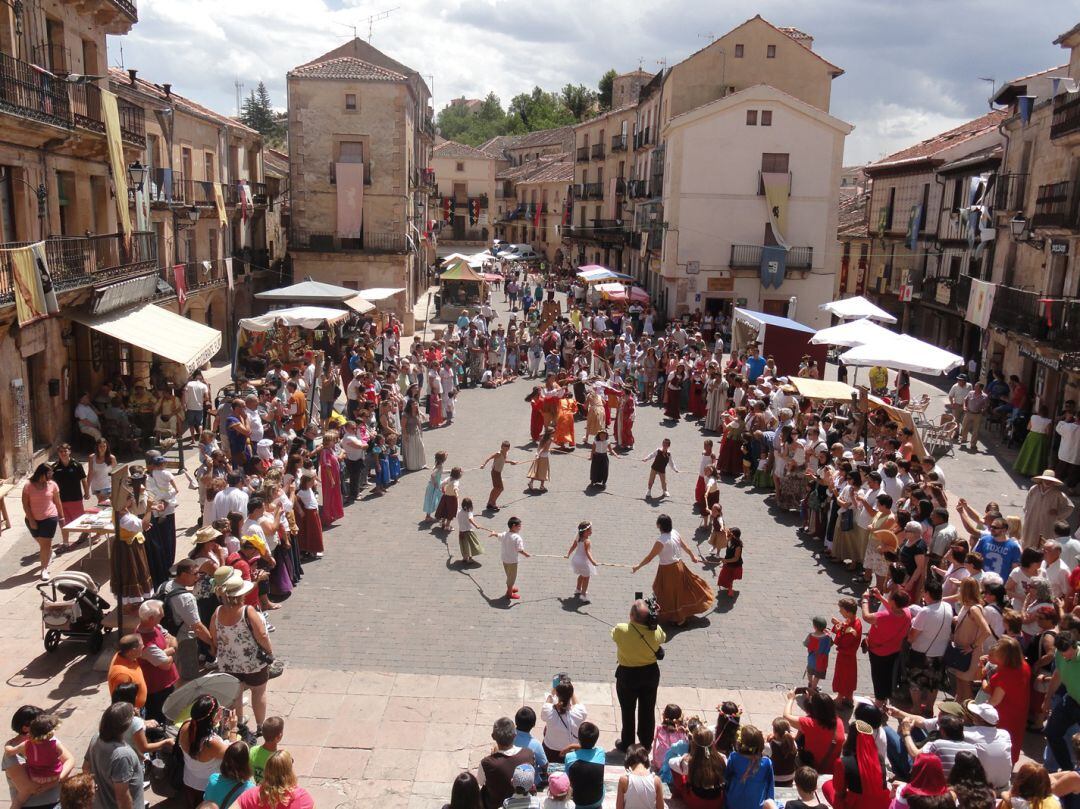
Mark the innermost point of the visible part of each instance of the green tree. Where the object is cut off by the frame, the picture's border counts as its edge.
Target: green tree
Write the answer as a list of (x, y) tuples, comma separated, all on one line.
[(606, 85), (258, 113), (529, 112), (579, 100), (457, 122)]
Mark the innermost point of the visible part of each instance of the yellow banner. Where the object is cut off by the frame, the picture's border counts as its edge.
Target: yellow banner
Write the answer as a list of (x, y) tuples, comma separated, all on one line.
[(777, 188), (219, 203), (116, 160), (35, 297)]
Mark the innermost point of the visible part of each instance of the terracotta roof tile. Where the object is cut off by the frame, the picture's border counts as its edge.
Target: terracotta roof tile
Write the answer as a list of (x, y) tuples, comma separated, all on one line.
[(460, 151), (346, 67), (852, 220), (945, 140), (120, 80)]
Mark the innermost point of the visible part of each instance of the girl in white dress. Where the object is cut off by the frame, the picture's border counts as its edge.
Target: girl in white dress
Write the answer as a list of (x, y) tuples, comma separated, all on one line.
[(582, 563)]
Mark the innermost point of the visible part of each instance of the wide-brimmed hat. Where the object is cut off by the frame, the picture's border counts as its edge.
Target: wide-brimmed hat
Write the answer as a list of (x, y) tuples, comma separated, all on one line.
[(983, 711), (1048, 476), (235, 587), (206, 534), (222, 575)]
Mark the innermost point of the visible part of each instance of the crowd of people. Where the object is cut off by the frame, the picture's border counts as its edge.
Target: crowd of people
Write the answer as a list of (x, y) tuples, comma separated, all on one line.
[(970, 603)]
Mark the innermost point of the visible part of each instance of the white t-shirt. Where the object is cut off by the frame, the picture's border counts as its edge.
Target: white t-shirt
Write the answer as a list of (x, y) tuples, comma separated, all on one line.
[(934, 623), (85, 412), (957, 393), (1058, 576), (1069, 447), (560, 730), (353, 446), (463, 518), (308, 499), (195, 393), (511, 543)]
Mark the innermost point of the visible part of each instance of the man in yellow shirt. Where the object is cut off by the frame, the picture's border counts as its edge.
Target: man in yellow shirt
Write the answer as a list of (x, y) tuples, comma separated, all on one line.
[(879, 380), (637, 676)]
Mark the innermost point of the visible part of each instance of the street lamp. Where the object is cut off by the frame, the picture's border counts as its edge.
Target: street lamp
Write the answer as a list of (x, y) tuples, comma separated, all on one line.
[(136, 174), (1021, 232)]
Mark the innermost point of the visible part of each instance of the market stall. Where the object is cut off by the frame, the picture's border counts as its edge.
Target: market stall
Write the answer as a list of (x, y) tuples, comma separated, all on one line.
[(308, 292), (594, 273), (460, 286), (284, 334), (615, 291), (851, 334), (857, 307), (786, 340)]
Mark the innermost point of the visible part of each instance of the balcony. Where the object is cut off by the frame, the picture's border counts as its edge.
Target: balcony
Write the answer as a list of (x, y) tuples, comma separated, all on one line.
[(333, 173), (946, 291), (1066, 120), (638, 189), (620, 187), (85, 261), (87, 113), (1036, 315), (197, 275), (1009, 194), (30, 94), (592, 191), (618, 143), (260, 194), (749, 255), (332, 243), (54, 56), (583, 154), (598, 151), (1053, 206), (641, 139)]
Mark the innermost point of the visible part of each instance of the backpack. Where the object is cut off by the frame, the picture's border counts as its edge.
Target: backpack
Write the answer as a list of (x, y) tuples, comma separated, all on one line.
[(168, 619)]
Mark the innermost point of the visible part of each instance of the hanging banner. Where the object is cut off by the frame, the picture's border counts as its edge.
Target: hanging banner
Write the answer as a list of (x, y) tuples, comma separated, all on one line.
[(142, 209), (773, 265), (538, 209), (1026, 104), (610, 200), (776, 198), (180, 284), (228, 271), (35, 297), (980, 302), (219, 203), (350, 200), (115, 146), (914, 225)]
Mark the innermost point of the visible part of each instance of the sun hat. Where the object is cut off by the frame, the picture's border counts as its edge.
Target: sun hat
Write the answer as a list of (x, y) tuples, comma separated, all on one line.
[(1048, 476), (983, 711), (222, 575), (236, 587), (206, 534), (524, 778)]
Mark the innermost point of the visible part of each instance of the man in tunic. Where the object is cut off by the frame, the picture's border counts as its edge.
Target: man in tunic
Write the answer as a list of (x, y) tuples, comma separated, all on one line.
[(1046, 504)]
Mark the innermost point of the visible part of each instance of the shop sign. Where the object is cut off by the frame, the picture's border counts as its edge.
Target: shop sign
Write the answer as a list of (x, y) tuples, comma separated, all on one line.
[(31, 339), (1053, 363), (720, 284), (1059, 247)]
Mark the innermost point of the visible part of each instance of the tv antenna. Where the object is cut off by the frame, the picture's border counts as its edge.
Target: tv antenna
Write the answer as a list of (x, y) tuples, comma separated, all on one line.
[(374, 18), (709, 35), (993, 87)]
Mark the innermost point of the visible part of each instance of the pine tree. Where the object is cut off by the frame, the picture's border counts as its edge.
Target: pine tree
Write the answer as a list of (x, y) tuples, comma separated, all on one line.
[(258, 113)]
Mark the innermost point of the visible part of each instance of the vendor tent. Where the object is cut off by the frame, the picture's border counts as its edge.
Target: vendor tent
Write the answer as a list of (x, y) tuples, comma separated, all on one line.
[(852, 308), (853, 333), (306, 317), (592, 273), (461, 271), (903, 353), (308, 292), (377, 294), (359, 305), (618, 292), (785, 339)]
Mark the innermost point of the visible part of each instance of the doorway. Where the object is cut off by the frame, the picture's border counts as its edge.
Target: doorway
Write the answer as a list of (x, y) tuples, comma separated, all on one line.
[(37, 386)]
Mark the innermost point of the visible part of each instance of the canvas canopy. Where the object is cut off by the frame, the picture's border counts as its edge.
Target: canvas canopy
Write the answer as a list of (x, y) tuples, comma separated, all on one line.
[(593, 273), (822, 389), (306, 317), (158, 331), (618, 292), (903, 353), (853, 333), (852, 308), (308, 292), (461, 271), (785, 339), (376, 294)]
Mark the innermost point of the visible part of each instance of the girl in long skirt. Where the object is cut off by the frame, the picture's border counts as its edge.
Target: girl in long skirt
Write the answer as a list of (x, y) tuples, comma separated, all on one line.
[(707, 462), (582, 563), (624, 419), (412, 441), (732, 570), (680, 593), (673, 397), (310, 537), (498, 460), (448, 503), (540, 468), (536, 417), (435, 399), (598, 460), (711, 497), (330, 479), (718, 534), (129, 574), (730, 461), (468, 544), (433, 492)]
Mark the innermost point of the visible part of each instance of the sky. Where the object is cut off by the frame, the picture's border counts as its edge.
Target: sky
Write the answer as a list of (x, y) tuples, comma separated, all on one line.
[(912, 69)]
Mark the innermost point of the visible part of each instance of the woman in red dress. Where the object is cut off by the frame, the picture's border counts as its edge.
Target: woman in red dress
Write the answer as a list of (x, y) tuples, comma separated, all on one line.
[(698, 403), (1009, 690), (729, 461), (536, 418), (624, 419), (847, 635), (330, 479)]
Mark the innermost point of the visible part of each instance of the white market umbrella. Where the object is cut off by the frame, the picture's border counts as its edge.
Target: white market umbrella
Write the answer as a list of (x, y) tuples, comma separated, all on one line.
[(851, 334), (853, 308), (903, 353), (222, 687)]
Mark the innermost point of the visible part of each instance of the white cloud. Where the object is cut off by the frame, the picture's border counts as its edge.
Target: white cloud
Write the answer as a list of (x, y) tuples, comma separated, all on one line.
[(884, 128)]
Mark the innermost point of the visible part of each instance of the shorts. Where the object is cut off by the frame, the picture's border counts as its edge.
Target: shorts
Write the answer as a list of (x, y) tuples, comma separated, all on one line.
[(253, 679), (194, 419), (46, 529), (925, 672)]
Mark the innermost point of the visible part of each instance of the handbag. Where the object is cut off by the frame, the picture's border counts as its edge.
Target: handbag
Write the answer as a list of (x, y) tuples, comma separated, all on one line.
[(658, 651), (955, 657), (261, 654), (847, 520)]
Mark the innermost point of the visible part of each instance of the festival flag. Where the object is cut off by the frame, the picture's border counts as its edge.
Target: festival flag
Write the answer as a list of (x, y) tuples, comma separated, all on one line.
[(914, 225), (773, 265), (539, 208), (115, 148), (180, 283), (35, 297), (350, 200), (1026, 104), (1055, 81), (979, 303), (777, 189)]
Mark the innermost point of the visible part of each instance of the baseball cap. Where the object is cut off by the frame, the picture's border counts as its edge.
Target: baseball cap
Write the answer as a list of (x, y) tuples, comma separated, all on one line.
[(524, 778), (558, 785)]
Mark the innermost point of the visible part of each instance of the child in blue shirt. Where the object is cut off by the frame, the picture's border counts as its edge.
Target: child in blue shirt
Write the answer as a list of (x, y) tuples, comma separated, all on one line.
[(818, 644), (585, 768)]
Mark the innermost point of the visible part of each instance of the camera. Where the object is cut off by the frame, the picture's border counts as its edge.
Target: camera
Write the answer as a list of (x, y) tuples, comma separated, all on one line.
[(652, 620)]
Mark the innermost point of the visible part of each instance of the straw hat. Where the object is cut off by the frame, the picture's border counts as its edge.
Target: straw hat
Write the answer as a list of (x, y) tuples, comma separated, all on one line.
[(206, 534), (1048, 476), (222, 575), (236, 587)]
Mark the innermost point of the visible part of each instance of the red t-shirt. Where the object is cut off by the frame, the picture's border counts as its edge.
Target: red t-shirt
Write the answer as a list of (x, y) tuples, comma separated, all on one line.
[(816, 741), (888, 632), (1013, 709), (1074, 580)]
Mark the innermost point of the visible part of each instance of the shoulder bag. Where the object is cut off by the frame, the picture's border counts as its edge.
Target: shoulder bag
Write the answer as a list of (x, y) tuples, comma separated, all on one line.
[(955, 657), (658, 651)]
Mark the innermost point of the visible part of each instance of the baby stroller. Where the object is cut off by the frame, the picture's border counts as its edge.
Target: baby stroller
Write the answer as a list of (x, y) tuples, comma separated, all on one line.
[(72, 608)]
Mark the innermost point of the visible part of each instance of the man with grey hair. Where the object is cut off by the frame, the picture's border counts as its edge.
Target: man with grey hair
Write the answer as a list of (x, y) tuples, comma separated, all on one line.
[(496, 771), (637, 677), (1055, 569)]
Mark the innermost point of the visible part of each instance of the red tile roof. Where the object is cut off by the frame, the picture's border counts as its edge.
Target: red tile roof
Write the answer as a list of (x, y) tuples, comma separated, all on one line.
[(460, 151), (852, 221), (346, 67), (120, 80), (931, 147)]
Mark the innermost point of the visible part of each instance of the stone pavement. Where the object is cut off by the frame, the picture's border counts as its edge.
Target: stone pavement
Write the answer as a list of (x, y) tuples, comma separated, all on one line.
[(389, 598)]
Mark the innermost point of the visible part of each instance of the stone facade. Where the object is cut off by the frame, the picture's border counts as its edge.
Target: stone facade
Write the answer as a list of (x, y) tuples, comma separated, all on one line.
[(467, 176)]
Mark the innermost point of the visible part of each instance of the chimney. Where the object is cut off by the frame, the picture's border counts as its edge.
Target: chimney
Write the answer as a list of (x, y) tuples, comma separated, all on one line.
[(168, 89), (131, 76)]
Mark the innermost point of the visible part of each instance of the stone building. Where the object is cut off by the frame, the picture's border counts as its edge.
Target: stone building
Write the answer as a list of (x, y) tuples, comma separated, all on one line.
[(465, 175), (360, 139), (542, 192)]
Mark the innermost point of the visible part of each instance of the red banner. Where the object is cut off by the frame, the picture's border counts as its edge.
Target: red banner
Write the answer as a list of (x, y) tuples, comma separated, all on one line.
[(180, 284), (845, 265), (446, 209)]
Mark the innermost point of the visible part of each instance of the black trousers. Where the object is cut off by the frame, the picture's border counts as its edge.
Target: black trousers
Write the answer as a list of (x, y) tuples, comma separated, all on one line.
[(357, 473), (636, 688), (883, 674)]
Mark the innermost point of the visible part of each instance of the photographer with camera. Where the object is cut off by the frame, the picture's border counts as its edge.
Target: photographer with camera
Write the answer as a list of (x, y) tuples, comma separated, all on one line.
[(637, 677)]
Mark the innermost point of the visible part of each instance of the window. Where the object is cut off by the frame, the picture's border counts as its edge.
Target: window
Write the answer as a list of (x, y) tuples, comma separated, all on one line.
[(459, 166), (738, 51), (925, 207), (766, 117), (889, 209), (208, 160), (751, 117), (770, 52), (350, 101), (350, 151), (774, 162)]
